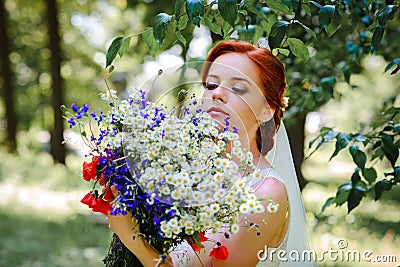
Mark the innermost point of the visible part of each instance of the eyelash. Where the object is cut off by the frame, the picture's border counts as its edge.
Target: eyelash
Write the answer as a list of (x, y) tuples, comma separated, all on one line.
[(212, 86)]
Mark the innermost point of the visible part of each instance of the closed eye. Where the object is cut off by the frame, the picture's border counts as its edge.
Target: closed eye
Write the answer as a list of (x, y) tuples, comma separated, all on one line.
[(239, 91)]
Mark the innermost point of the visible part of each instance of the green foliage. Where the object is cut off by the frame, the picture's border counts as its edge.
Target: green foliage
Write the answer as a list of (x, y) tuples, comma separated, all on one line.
[(228, 10), (160, 26), (298, 48), (382, 142), (395, 62), (114, 50), (350, 30), (195, 11)]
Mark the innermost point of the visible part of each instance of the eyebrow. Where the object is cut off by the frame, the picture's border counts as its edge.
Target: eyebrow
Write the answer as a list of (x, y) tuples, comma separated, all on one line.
[(234, 78)]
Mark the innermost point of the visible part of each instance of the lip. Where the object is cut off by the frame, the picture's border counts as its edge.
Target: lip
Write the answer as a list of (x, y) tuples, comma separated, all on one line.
[(216, 110)]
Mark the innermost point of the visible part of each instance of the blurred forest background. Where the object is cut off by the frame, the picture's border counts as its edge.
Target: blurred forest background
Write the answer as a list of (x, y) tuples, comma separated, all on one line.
[(53, 53)]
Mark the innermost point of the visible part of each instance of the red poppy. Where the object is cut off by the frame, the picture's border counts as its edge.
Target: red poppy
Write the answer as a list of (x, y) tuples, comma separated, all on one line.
[(195, 246), (96, 204), (89, 169), (102, 181), (108, 195), (203, 237), (219, 252), (102, 206), (89, 200)]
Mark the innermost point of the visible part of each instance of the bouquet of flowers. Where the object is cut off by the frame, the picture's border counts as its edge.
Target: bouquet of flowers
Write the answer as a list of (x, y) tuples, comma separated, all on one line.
[(179, 176)]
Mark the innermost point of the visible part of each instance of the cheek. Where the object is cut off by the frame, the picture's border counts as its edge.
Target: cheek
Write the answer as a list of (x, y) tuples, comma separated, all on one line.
[(245, 116), (246, 110)]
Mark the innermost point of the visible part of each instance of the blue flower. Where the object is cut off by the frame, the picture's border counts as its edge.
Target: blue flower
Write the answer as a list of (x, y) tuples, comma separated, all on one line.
[(74, 107), (85, 108), (71, 122)]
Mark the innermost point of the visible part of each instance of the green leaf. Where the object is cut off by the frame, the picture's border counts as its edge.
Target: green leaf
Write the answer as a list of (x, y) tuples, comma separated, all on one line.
[(197, 240), (124, 47), (397, 174), (388, 147), (298, 48), (342, 141), (327, 84), (178, 8), (180, 37), (258, 33), (334, 25), (226, 29), (359, 157), (160, 26), (278, 33), (330, 135), (325, 15), (308, 30), (328, 202), (355, 177), (316, 4), (242, 4), (195, 11), (306, 9), (151, 43), (380, 186), (278, 6), (369, 174), (228, 10), (397, 128), (384, 14), (396, 62), (343, 193), (360, 138), (267, 25), (355, 196), (283, 51), (182, 23), (113, 50), (254, 10), (377, 38), (372, 26), (214, 27)]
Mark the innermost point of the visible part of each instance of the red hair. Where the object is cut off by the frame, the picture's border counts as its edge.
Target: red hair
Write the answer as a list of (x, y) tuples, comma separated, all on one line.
[(272, 75)]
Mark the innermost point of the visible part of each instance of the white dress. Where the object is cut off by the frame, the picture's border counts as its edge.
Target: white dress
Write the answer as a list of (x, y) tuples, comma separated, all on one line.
[(184, 256)]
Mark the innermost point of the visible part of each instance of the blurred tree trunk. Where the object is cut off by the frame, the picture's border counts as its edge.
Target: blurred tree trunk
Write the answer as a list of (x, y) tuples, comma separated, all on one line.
[(295, 131), (57, 148), (6, 75)]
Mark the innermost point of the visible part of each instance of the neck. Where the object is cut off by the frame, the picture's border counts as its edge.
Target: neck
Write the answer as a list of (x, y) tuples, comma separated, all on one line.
[(259, 160)]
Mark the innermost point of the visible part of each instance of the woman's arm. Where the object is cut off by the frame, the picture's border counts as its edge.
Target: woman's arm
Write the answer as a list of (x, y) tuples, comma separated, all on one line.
[(126, 228)]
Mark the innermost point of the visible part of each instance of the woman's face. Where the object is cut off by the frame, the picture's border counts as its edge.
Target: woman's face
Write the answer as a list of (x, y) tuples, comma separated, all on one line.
[(232, 91)]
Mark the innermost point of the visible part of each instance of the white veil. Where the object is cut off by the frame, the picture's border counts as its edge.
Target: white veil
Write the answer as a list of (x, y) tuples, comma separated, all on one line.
[(298, 243)]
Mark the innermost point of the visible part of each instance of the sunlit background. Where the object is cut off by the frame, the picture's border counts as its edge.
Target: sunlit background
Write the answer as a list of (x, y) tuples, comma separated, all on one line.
[(42, 222)]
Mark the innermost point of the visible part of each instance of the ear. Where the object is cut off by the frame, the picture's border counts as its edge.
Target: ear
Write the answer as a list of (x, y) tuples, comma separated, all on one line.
[(267, 113)]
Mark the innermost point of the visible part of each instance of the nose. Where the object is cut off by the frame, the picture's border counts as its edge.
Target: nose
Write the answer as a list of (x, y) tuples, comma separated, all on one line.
[(219, 94)]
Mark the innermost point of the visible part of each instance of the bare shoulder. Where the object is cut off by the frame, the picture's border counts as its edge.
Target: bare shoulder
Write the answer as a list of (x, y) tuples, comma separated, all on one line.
[(271, 187)]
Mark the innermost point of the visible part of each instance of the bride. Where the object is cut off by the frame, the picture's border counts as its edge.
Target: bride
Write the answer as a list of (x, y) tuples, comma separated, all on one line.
[(245, 83)]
